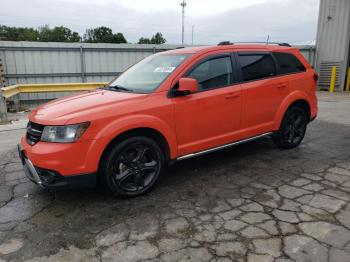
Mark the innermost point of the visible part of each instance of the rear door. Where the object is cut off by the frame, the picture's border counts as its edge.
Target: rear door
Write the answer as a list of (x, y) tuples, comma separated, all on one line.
[(262, 91)]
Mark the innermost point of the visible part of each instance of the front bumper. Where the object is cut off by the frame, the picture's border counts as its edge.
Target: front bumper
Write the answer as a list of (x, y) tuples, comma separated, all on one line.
[(52, 180), (28, 167)]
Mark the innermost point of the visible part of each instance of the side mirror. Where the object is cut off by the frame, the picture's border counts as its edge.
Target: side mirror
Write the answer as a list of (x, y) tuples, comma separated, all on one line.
[(187, 86)]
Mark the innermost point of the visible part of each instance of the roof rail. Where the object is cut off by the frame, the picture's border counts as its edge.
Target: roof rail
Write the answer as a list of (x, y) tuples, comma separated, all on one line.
[(179, 47), (284, 44), (225, 43), (266, 43)]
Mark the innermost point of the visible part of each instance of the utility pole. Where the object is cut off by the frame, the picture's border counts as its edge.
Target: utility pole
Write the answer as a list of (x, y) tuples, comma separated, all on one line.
[(3, 107), (183, 5), (192, 33)]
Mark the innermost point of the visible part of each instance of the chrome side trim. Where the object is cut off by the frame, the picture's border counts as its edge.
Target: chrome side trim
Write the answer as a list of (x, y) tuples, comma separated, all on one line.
[(222, 147)]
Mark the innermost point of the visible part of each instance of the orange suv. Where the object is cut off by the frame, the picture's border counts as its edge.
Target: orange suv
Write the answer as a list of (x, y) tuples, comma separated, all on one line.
[(170, 106)]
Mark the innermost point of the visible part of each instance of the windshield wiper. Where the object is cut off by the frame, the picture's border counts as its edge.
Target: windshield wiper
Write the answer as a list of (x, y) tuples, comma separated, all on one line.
[(119, 88)]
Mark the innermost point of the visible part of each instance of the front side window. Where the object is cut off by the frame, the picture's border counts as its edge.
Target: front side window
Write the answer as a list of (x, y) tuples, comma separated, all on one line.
[(288, 63), (214, 73), (148, 74), (257, 66)]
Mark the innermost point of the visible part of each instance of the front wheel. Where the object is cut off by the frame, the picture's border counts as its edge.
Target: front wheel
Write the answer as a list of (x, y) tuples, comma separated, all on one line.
[(132, 166), (292, 129)]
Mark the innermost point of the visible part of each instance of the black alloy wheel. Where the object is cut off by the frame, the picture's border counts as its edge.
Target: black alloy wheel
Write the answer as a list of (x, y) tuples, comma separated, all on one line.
[(133, 166), (293, 128)]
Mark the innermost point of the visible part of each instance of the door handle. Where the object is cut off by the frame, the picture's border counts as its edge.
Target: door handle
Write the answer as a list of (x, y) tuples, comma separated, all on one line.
[(281, 85), (232, 95)]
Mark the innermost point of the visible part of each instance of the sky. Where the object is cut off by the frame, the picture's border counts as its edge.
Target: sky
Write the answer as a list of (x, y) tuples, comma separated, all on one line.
[(293, 21)]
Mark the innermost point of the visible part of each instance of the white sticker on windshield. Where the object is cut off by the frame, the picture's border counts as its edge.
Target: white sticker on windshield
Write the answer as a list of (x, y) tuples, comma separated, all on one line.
[(164, 69)]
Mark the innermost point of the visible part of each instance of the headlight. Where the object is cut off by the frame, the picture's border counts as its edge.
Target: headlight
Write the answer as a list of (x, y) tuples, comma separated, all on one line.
[(63, 134)]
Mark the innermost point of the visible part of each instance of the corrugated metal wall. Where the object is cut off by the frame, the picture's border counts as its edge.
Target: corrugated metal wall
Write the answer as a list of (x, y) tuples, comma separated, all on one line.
[(333, 39), (309, 52), (37, 62)]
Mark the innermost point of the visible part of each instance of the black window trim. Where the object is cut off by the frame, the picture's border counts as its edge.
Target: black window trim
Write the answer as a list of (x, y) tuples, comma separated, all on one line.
[(234, 68), (278, 65)]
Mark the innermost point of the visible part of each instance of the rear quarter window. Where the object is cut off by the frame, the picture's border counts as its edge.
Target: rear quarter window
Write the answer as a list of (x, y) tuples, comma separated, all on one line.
[(288, 63)]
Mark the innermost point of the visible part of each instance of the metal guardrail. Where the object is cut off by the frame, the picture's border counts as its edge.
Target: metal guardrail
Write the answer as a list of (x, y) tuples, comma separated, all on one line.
[(10, 91), (15, 90)]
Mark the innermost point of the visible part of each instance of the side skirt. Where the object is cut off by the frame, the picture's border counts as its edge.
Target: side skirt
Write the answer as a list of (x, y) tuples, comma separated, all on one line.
[(222, 147)]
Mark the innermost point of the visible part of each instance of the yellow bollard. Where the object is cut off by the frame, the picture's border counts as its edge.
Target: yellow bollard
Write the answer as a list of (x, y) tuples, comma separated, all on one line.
[(332, 84), (347, 86)]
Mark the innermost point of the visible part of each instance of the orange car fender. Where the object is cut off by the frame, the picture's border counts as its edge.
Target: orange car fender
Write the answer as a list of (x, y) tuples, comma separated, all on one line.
[(124, 124), (290, 99)]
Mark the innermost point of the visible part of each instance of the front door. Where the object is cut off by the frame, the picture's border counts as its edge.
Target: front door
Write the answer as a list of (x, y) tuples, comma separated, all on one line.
[(210, 117)]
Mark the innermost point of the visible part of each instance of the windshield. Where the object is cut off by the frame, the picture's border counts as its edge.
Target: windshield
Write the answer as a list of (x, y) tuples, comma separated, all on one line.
[(148, 74)]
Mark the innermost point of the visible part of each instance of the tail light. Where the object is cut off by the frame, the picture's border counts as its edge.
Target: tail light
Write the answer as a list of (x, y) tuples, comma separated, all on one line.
[(315, 77)]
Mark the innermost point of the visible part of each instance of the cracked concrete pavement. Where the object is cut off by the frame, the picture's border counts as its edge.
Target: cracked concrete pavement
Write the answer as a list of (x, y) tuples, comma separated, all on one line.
[(252, 202)]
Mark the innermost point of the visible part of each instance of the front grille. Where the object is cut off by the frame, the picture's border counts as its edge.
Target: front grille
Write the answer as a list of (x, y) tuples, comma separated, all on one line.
[(34, 132)]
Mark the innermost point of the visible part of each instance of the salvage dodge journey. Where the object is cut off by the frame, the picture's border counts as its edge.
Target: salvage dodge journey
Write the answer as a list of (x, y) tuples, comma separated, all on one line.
[(170, 106)]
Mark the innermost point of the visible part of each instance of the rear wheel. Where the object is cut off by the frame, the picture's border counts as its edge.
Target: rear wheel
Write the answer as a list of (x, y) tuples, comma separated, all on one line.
[(292, 129), (132, 166)]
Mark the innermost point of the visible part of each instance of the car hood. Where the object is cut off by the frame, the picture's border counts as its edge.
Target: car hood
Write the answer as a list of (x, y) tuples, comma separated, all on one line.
[(79, 107)]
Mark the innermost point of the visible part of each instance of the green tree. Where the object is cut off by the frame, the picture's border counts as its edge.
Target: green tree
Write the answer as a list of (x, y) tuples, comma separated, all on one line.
[(156, 39), (144, 40), (119, 38), (18, 33), (103, 34), (57, 34), (64, 34), (75, 37), (28, 34), (89, 36), (44, 33)]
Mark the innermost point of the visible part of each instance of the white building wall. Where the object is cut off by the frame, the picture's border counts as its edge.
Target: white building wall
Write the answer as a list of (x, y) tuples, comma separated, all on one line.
[(332, 44)]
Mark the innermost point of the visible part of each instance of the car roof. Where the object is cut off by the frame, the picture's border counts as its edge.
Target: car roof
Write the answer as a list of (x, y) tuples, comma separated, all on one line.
[(234, 47)]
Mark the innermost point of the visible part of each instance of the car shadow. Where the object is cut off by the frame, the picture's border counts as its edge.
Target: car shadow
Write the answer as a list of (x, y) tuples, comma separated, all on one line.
[(186, 171)]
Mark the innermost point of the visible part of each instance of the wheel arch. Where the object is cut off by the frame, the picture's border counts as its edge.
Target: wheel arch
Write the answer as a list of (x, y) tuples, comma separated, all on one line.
[(295, 99), (140, 131), (302, 103), (110, 131)]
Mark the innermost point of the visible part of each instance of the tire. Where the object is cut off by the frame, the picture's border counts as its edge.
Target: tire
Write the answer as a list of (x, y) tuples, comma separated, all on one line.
[(132, 166), (292, 129)]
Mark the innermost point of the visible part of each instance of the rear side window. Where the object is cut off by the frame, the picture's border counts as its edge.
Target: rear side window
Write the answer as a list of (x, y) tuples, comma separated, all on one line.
[(288, 63), (213, 73), (257, 66)]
